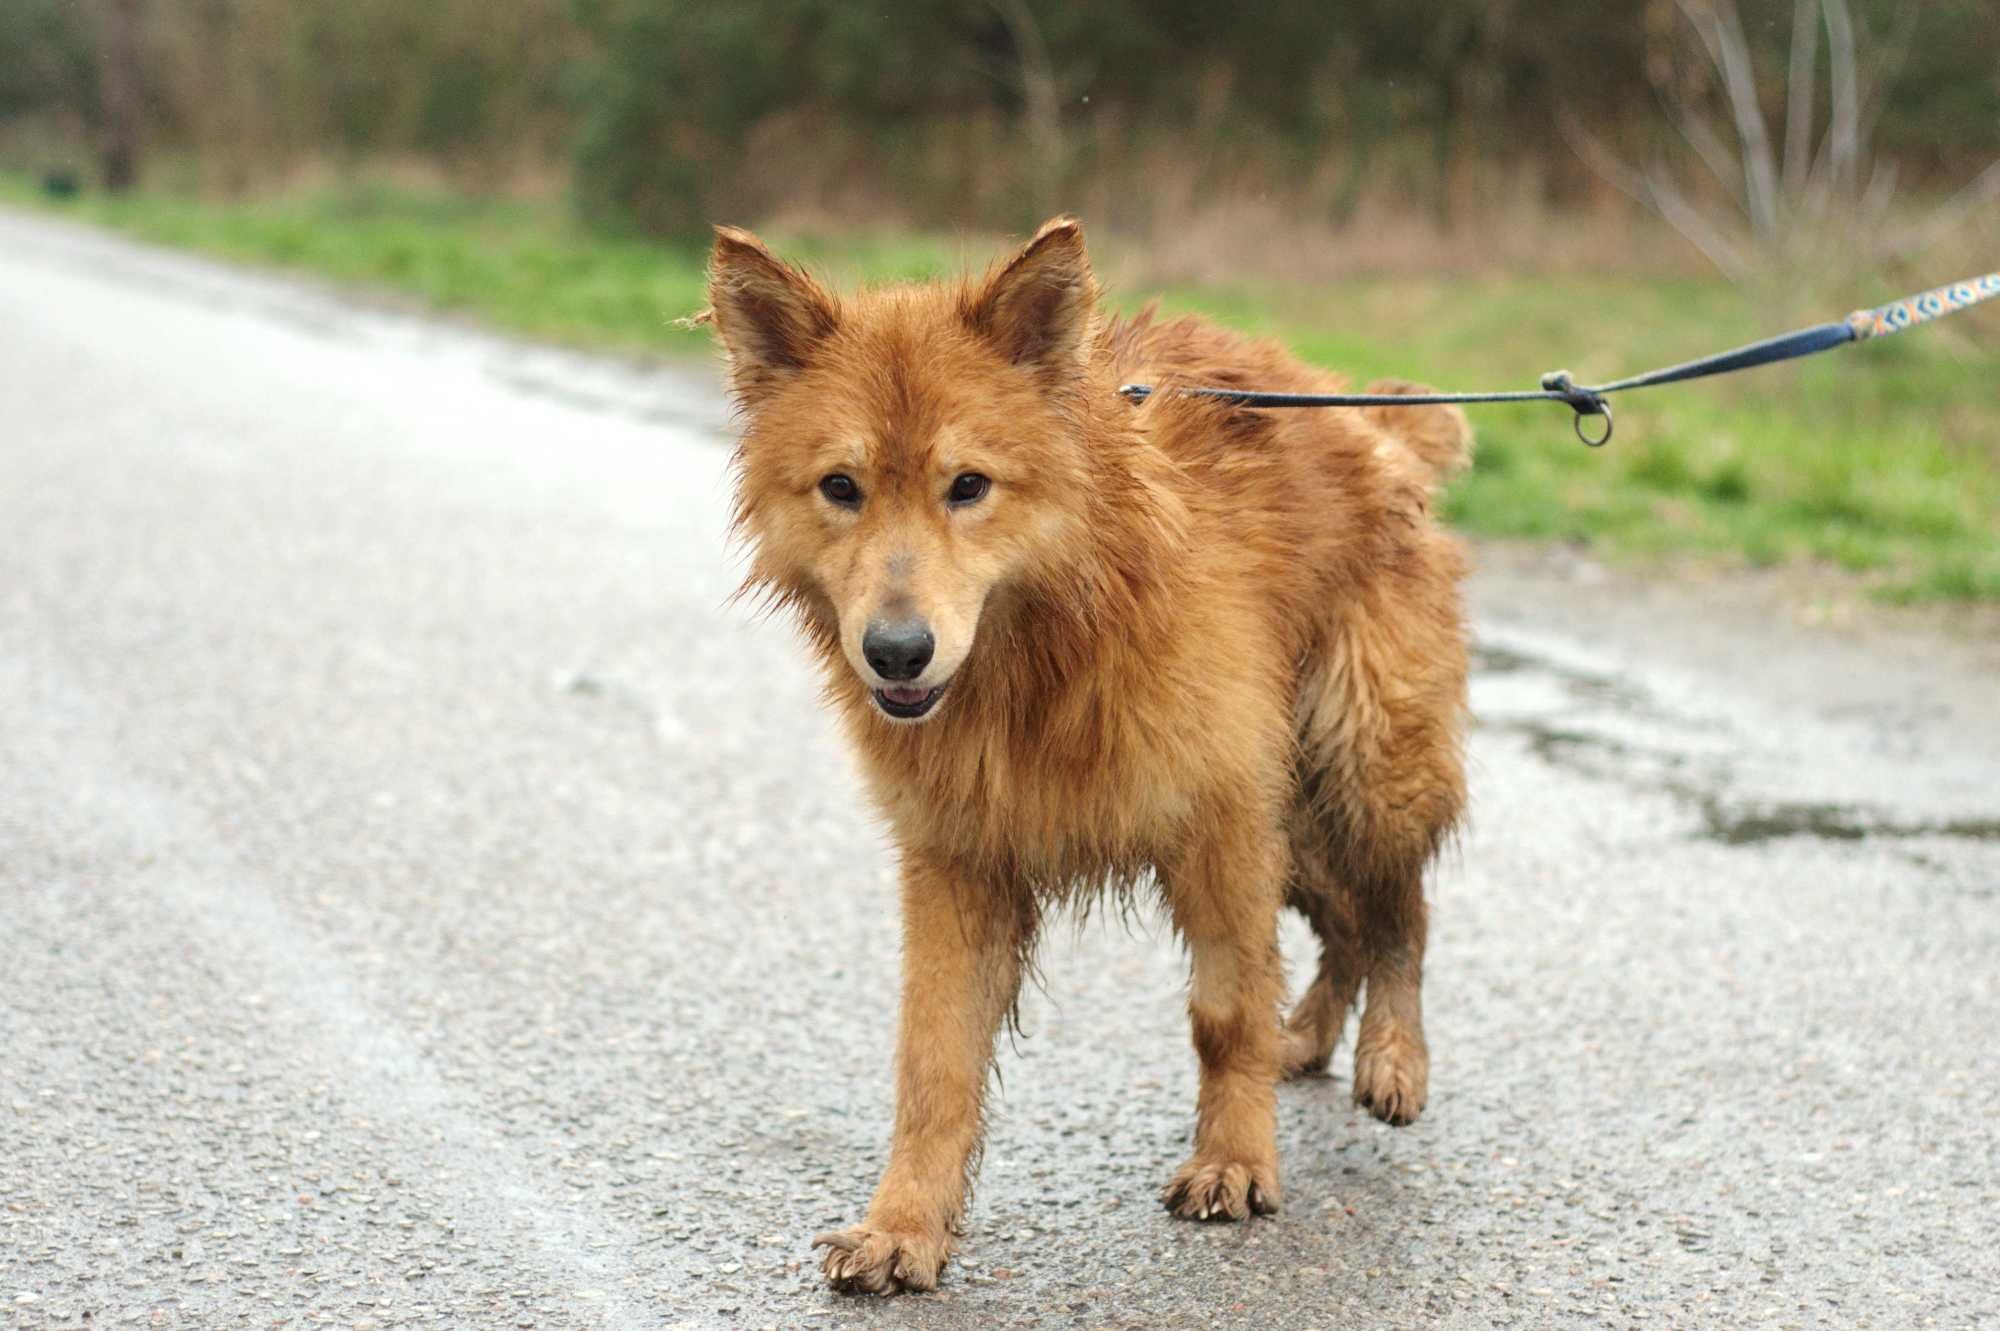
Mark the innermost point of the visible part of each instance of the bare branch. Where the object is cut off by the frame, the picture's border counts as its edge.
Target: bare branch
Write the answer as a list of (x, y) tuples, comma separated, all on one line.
[(1833, 201), (1890, 53), (1889, 56), (1714, 153), (1041, 95), (1656, 193), (1799, 96), (1843, 134), (1700, 15), (1721, 31), (1600, 159), (1819, 180), (1879, 195), (1759, 170), (1683, 217), (1982, 190), (120, 88)]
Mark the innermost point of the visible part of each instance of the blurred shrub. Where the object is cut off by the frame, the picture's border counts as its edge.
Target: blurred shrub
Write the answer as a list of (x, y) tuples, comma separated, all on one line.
[(669, 92), (999, 110), (45, 55), (253, 87), (48, 88), (672, 92), (671, 112)]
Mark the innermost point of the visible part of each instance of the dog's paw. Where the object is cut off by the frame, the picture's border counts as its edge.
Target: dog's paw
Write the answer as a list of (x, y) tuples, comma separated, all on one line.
[(1308, 1037), (1303, 1052), (1392, 1078), (1226, 1190), (861, 1260)]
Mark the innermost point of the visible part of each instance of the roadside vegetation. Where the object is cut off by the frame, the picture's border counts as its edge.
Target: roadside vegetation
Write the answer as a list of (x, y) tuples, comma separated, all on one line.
[(1882, 460), (1469, 201)]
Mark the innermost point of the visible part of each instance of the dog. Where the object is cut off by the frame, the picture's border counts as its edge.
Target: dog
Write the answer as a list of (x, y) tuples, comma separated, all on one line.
[(1085, 645)]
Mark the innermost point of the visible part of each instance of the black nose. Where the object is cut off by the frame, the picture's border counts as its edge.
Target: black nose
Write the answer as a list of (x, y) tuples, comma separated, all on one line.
[(900, 650)]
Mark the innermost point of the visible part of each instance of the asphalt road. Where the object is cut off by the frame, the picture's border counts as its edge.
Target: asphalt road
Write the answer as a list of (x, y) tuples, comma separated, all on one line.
[(424, 902)]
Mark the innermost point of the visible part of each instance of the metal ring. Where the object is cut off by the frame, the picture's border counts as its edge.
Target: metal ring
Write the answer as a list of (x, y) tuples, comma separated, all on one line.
[(1600, 408)]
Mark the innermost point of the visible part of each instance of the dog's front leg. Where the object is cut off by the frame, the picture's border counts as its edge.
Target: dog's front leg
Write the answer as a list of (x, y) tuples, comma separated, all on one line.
[(1225, 893), (962, 946)]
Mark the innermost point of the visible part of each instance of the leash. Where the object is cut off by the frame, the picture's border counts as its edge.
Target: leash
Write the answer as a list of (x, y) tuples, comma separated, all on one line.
[(1588, 402)]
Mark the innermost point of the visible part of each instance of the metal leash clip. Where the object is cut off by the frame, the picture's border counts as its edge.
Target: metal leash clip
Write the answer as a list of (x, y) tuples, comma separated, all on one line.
[(1584, 402)]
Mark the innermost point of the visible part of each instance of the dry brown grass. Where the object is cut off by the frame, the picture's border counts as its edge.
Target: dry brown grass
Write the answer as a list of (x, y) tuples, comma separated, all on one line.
[(1198, 218)]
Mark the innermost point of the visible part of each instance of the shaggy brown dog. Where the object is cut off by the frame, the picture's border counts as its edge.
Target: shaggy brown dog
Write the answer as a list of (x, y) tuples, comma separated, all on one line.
[(1077, 641)]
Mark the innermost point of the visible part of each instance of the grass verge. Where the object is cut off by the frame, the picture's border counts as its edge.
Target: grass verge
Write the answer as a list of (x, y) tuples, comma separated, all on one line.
[(1882, 460)]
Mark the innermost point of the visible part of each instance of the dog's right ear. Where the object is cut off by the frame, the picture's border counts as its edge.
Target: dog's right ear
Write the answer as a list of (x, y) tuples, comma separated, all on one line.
[(771, 316)]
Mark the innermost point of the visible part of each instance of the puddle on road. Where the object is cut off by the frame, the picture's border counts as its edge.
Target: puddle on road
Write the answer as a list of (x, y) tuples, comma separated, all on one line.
[(1596, 755), (1560, 747), (1829, 822), (1584, 685)]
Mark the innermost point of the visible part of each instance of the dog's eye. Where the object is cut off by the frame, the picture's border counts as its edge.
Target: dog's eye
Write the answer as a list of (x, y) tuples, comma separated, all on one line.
[(840, 490), (969, 488)]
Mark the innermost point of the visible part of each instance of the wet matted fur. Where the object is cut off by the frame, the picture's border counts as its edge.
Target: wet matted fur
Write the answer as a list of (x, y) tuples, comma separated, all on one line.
[(1077, 642)]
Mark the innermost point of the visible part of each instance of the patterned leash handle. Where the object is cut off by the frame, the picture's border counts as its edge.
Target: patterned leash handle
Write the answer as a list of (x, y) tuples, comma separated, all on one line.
[(1933, 304)]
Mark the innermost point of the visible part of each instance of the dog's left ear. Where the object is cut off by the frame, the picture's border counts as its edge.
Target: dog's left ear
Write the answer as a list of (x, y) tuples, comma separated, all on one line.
[(1041, 308)]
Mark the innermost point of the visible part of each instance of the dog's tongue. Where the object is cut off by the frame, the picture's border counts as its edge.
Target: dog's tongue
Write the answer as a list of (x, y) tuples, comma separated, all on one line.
[(906, 694)]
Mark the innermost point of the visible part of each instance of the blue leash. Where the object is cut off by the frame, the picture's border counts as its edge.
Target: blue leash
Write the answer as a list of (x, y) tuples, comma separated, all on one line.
[(1589, 402)]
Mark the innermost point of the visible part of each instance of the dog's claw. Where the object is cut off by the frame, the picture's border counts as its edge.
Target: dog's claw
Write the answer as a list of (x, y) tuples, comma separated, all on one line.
[(871, 1261), (1221, 1192), (1391, 1077)]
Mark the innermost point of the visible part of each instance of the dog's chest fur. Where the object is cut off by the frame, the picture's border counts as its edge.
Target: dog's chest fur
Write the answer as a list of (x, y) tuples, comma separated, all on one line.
[(1090, 783)]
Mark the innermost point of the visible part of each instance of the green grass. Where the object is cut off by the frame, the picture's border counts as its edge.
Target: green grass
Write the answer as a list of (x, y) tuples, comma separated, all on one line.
[(1882, 460)]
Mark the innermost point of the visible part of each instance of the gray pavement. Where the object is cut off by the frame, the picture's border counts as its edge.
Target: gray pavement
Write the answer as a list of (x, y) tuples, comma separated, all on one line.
[(424, 902)]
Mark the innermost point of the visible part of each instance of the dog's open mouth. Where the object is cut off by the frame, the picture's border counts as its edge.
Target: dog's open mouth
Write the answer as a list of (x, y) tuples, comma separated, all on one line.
[(907, 702)]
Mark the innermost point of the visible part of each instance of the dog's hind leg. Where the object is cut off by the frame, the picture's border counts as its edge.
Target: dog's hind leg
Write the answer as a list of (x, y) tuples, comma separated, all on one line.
[(1312, 1031), (1370, 931), (1391, 1058), (1382, 786)]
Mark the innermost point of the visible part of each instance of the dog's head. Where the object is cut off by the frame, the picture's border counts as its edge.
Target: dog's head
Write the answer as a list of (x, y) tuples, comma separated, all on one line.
[(910, 454)]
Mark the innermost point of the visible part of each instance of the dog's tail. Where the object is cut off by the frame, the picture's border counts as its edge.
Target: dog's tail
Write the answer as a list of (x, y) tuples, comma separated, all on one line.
[(1439, 436)]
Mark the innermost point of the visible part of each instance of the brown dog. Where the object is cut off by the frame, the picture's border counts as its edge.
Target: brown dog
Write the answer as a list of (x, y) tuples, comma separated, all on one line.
[(1077, 641)]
